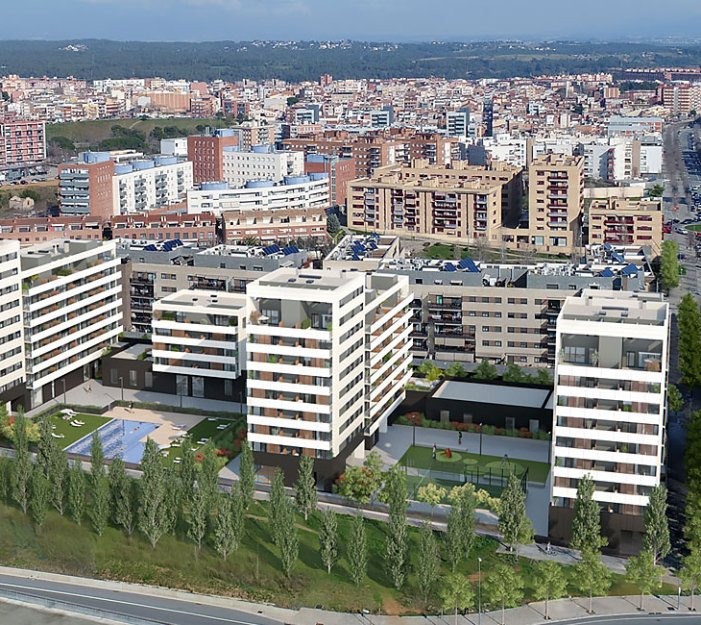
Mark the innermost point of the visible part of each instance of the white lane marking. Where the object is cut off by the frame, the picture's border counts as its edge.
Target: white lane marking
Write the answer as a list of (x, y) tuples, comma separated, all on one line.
[(127, 603)]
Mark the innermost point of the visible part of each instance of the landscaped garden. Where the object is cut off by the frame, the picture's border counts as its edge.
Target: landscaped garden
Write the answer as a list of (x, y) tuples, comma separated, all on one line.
[(225, 435), (475, 465), (69, 429)]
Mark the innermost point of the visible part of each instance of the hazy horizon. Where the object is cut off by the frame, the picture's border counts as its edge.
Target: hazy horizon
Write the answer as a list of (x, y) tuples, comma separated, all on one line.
[(360, 20)]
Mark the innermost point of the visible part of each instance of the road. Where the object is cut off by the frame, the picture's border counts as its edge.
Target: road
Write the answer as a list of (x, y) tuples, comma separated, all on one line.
[(122, 603), (648, 619)]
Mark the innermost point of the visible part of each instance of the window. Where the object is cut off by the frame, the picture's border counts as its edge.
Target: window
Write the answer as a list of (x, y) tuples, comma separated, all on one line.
[(132, 378)]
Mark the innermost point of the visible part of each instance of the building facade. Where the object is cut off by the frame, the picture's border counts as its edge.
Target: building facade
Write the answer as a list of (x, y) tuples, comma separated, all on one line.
[(610, 411), (626, 222), (328, 357), (206, 153), (262, 162), (72, 311), (22, 143), (12, 367)]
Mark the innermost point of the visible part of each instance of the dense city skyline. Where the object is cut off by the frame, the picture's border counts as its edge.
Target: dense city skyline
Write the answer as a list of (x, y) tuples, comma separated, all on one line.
[(202, 20)]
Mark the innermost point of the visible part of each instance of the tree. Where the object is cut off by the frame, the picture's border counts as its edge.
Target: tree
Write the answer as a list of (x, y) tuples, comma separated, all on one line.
[(514, 524), (657, 190), (361, 483), (197, 518), (58, 477), (675, 399), (46, 444), (430, 371), (456, 370), (669, 264), (247, 475), (288, 541), (460, 534), (305, 486), (152, 516), (656, 524), (504, 589), (431, 494), (456, 594), (187, 469), (40, 496), (228, 524), (644, 573), (591, 576), (586, 525), (690, 572), (208, 479), (278, 501), (548, 582), (98, 512), (22, 472), (333, 225), (428, 561), (689, 348), (543, 377), (76, 492), (121, 488), (394, 494), (485, 371), (514, 373), (357, 550), (328, 539)]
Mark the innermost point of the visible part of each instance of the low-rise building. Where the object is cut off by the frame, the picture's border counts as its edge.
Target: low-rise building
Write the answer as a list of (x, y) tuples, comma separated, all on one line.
[(626, 222), (33, 230), (200, 229), (199, 343)]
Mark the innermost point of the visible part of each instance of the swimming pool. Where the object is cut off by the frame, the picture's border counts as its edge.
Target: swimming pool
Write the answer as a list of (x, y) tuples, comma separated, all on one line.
[(120, 438)]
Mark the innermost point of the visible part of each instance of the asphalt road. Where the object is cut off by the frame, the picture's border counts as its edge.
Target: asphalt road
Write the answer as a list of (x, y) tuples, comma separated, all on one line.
[(149, 607)]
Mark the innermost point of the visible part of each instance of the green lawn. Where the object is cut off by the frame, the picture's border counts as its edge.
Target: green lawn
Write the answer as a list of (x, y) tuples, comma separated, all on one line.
[(444, 251), (225, 439), (421, 458), (253, 572), (93, 131), (72, 434)]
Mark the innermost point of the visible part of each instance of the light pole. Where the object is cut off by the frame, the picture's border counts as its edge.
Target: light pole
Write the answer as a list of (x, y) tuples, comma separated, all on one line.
[(679, 595), (480, 440), (121, 385), (479, 591), (64, 392)]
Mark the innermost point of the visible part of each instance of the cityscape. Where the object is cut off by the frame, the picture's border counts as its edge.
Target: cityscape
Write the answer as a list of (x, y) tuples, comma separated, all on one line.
[(323, 330)]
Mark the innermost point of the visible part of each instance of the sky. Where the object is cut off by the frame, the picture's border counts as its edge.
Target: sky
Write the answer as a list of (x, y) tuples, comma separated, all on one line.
[(368, 20)]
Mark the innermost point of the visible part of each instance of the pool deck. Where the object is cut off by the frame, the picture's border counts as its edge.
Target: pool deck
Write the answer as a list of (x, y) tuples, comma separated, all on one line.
[(171, 426)]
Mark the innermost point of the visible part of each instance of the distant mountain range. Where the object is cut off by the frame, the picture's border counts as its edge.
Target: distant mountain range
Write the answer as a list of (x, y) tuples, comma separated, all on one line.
[(297, 61)]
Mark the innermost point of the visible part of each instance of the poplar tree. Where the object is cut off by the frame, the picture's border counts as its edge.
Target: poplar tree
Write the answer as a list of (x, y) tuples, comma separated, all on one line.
[(22, 468), (657, 540), (76, 492), (99, 488), (305, 487), (586, 525), (152, 517), (40, 496), (357, 554), (328, 539), (247, 475), (428, 561), (514, 524)]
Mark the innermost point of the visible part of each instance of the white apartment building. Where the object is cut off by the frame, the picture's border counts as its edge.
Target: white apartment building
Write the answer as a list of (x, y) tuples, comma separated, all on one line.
[(72, 311), (261, 163), (12, 371), (142, 185), (199, 337), (610, 383), (457, 123), (328, 357), (506, 148), (295, 193)]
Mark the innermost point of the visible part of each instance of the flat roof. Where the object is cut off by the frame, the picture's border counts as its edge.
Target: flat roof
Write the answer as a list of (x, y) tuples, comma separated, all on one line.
[(501, 395), (201, 297), (133, 352)]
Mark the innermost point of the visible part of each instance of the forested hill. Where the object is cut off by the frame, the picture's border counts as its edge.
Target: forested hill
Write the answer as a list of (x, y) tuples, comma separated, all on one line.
[(96, 59)]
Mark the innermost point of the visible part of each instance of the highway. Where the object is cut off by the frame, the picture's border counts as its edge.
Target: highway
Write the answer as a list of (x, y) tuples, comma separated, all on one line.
[(118, 603), (643, 619)]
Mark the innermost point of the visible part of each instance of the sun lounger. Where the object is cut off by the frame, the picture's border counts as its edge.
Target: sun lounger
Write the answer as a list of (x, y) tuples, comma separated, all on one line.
[(80, 423), (223, 426), (75, 425), (211, 418), (58, 435), (176, 461)]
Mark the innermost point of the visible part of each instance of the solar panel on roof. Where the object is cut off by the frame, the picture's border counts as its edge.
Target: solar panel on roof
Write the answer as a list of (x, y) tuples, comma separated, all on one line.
[(373, 245), (449, 267), (618, 258), (356, 257), (629, 270), (468, 265), (607, 273)]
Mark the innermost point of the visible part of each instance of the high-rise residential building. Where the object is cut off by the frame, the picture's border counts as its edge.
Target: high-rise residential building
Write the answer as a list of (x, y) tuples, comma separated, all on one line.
[(463, 201), (339, 170), (626, 222), (206, 153), (610, 409), (22, 142), (262, 162), (258, 196), (328, 358), (103, 184), (199, 342), (457, 123), (72, 311), (382, 118), (555, 204), (12, 368)]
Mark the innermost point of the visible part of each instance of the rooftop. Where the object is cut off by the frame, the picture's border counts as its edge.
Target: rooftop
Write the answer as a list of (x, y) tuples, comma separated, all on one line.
[(501, 395), (327, 280), (617, 307), (251, 251), (361, 247), (189, 298)]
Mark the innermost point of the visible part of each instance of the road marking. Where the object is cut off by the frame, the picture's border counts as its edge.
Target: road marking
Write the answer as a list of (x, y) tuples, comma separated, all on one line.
[(130, 603)]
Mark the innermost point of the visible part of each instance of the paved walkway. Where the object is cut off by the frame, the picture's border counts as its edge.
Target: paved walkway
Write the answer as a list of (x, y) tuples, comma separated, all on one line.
[(93, 393)]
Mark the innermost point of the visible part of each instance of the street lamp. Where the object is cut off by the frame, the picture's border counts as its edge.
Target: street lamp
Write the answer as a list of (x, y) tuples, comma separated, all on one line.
[(64, 392), (479, 591), (480, 440), (121, 385)]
